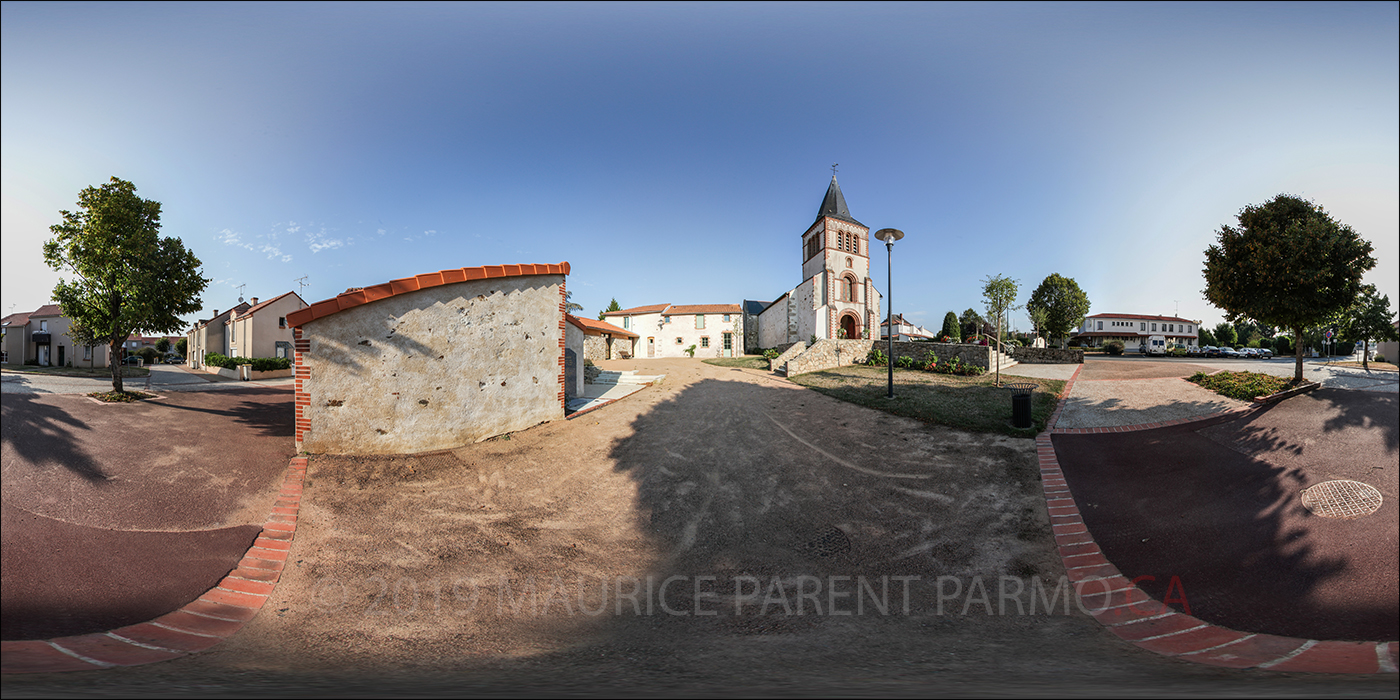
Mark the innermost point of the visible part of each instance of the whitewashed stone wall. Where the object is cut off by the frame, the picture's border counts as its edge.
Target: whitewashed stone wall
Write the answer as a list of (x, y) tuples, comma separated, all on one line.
[(435, 368)]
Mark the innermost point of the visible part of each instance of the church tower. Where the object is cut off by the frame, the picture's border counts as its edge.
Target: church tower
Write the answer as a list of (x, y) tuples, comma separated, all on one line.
[(836, 261)]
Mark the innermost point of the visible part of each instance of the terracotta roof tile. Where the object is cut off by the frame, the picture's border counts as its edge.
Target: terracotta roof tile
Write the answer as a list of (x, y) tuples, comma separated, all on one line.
[(254, 309), (595, 326), (652, 309), (706, 309), (351, 299)]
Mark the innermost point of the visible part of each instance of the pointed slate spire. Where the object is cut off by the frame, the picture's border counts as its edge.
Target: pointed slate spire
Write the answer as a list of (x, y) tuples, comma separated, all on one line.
[(834, 204)]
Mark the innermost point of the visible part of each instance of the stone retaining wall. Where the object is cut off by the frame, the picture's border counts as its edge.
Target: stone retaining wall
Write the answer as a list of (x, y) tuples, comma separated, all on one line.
[(979, 355), (827, 354), (790, 351), (1048, 356)]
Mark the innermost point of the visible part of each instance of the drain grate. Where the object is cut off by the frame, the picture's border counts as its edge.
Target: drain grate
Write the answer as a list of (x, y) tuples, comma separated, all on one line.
[(1342, 498), (829, 542)]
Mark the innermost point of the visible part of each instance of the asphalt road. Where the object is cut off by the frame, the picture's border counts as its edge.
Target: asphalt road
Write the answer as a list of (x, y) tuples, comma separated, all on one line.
[(118, 513)]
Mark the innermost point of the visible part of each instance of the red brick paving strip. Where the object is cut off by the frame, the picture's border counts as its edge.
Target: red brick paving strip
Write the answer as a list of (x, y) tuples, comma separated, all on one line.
[(1136, 617), (217, 615)]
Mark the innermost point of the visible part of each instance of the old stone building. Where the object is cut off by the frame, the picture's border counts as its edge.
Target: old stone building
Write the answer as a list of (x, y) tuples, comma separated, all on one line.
[(433, 361), (837, 299)]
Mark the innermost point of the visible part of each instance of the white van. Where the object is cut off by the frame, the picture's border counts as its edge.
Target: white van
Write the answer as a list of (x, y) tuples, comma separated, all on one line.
[(1156, 345)]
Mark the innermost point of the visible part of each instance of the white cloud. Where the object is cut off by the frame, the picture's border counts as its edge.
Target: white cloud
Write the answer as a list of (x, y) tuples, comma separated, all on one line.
[(318, 240), (233, 238)]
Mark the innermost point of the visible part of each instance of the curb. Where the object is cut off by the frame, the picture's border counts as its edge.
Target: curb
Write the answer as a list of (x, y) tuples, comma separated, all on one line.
[(215, 616), (1134, 616)]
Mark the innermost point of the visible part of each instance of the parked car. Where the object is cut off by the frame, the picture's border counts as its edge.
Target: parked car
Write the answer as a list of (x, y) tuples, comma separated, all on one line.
[(131, 360), (1230, 353), (173, 359), (1266, 354), (1193, 350)]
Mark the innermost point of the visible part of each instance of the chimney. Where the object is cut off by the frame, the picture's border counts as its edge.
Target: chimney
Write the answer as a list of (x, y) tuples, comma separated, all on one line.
[(216, 315), (255, 301)]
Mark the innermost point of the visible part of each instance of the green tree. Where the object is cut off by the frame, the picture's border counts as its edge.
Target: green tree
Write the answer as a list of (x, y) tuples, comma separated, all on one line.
[(570, 306), (1288, 264), (163, 345), (972, 323), (1207, 337), (1065, 305), (181, 346), (126, 278), (951, 327), (614, 306), (999, 296), (1225, 333), (1371, 319)]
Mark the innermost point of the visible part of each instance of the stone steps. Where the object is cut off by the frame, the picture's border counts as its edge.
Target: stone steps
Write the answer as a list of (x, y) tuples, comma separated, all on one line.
[(626, 377)]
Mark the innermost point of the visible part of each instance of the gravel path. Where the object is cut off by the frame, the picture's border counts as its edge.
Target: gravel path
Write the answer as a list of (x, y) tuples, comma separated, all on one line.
[(1105, 403)]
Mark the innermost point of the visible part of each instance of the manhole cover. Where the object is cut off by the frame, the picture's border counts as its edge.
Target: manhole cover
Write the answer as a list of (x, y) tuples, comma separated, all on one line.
[(829, 542), (1341, 499)]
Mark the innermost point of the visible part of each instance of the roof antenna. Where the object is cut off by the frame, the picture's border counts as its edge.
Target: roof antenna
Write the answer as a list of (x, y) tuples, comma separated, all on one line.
[(240, 292), (302, 283)]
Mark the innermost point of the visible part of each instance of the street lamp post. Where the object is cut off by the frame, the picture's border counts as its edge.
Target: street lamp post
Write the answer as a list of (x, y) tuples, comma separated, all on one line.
[(889, 236)]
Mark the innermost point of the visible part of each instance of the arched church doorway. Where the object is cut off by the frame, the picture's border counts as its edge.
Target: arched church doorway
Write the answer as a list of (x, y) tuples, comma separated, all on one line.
[(850, 327)]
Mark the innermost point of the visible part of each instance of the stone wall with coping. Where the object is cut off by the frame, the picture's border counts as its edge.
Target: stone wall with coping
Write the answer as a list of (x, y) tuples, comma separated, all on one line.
[(432, 369), (827, 353), (789, 351), (595, 348), (979, 355), (1048, 356)]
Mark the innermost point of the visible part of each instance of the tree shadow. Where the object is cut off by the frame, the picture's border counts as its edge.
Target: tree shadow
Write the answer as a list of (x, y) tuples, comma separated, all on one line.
[(1194, 505), (269, 418), (44, 434)]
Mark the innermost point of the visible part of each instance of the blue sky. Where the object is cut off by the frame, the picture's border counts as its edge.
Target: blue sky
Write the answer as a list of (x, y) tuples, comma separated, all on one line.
[(676, 152)]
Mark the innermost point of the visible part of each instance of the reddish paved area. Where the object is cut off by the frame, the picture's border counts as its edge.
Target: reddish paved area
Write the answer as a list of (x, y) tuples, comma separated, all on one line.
[(1215, 503), (115, 514)]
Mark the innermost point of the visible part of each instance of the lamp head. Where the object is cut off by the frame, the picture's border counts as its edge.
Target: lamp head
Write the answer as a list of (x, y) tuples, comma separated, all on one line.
[(889, 235)]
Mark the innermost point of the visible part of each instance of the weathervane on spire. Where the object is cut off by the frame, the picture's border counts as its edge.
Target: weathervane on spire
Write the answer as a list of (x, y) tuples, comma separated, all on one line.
[(833, 170)]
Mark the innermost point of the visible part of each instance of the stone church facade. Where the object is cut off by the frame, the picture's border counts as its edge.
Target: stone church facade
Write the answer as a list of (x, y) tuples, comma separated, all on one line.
[(837, 298)]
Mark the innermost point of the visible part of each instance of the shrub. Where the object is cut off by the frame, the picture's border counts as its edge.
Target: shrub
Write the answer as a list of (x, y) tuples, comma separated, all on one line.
[(1266, 343), (1378, 358), (1283, 345), (260, 364), (690, 351), (876, 357), (148, 355), (1241, 385), (1344, 347), (905, 362), (1114, 347), (771, 353)]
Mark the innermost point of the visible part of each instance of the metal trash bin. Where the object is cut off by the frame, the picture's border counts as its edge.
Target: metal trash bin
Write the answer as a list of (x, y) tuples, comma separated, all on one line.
[(1021, 404), (245, 372)]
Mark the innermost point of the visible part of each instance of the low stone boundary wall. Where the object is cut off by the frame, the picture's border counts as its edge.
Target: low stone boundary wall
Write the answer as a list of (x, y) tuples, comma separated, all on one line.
[(827, 354), (1048, 356), (789, 352), (979, 355)]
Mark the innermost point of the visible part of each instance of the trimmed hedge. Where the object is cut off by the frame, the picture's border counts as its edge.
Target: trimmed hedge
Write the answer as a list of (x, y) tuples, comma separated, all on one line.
[(260, 364)]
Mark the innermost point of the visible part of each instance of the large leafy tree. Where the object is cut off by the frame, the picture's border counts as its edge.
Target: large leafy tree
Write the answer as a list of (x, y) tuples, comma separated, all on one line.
[(951, 327), (1207, 337), (1370, 319), (971, 323), (125, 277), (1065, 304), (1225, 333), (1288, 264), (999, 296)]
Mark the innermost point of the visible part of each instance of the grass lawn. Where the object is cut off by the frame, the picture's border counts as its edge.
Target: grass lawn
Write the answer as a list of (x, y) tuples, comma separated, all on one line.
[(749, 361), (101, 372), (969, 403)]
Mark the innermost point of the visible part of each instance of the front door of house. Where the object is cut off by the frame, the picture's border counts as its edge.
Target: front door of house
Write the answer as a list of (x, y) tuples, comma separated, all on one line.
[(728, 344), (60, 355), (43, 356), (651, 347)]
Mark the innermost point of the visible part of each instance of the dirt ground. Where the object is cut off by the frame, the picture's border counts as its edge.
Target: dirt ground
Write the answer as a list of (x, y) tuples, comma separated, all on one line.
[(799, 541)]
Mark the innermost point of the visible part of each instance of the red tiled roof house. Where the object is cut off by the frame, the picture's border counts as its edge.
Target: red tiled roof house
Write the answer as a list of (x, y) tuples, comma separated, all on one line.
[(431, 362)]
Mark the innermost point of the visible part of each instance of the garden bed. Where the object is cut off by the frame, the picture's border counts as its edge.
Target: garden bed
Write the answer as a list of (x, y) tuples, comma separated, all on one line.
[(121, 396), (1251, 386)]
